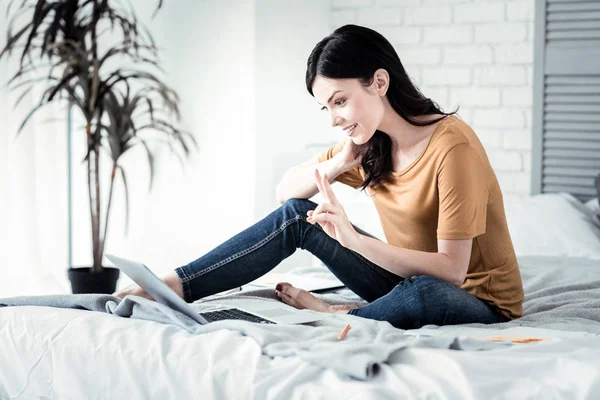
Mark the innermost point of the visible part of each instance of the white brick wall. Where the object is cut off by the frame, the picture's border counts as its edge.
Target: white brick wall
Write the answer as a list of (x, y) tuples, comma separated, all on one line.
[(474, 54)]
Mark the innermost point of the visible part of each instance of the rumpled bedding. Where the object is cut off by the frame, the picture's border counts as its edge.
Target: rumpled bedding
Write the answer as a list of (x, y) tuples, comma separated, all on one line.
[(562, 307)]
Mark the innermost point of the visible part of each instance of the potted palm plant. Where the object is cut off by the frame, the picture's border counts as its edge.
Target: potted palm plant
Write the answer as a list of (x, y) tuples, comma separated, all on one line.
[(79, 53)]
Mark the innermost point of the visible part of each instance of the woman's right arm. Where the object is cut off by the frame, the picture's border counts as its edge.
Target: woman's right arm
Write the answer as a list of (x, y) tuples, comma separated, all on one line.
[(299, 181)]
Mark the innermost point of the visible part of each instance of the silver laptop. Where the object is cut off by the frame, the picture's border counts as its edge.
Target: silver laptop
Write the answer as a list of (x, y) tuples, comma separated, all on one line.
[(262, 311)]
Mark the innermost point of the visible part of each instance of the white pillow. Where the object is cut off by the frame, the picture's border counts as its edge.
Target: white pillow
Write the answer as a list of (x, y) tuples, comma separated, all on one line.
[(594, 206), (552, 225)]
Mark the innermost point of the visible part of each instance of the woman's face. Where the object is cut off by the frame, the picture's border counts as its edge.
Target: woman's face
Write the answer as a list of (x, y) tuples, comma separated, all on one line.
[(352, 107)]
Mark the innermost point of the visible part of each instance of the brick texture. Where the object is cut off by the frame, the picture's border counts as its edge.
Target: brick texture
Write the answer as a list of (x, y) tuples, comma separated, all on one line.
[(470, 53)]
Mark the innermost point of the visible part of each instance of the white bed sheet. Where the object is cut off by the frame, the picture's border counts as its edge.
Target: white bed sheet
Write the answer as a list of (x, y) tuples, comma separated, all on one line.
[(48, 353), (74, 354)]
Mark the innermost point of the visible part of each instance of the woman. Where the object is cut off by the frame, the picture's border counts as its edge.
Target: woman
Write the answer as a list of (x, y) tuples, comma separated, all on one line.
[(449, 257)]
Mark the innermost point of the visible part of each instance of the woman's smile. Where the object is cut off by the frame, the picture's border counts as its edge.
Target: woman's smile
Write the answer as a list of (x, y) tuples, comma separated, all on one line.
[(350, 129)]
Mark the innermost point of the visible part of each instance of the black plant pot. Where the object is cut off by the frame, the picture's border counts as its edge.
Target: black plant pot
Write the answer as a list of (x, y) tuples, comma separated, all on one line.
[(84, 281)]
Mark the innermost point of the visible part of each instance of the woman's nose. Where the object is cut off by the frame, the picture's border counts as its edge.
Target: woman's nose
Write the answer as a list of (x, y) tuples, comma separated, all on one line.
[(334, 120)]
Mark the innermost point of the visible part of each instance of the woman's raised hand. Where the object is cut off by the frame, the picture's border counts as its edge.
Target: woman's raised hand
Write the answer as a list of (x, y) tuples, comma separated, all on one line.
[(330, 215), (349, 154)]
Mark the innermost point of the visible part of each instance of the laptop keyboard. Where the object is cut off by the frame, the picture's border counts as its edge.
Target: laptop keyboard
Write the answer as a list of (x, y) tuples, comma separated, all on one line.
[(233, 313)]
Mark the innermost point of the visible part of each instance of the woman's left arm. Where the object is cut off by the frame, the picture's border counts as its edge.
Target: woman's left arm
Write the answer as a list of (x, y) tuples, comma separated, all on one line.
[(449, 264)]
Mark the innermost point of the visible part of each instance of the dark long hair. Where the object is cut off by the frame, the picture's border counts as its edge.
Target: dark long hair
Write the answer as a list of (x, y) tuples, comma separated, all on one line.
[(353, 51)]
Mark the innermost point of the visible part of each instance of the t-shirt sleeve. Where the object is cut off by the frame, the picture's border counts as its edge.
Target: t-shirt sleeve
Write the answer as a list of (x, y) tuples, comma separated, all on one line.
[(352, 177), (463, 194)]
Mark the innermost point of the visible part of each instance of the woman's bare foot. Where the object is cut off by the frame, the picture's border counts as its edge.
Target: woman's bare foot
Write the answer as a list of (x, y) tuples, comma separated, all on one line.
[(171, 279), (302, 299)]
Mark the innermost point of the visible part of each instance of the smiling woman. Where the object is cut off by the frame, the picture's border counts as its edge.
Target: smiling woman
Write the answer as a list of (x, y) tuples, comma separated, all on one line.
[(334, 75), (448, 257)]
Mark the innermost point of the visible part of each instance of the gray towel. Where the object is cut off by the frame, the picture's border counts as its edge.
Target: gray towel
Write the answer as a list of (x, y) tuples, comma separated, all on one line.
[(366, 345)]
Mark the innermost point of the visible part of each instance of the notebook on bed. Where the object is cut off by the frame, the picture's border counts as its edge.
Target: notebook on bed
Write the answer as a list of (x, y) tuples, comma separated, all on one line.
[(308, 283)]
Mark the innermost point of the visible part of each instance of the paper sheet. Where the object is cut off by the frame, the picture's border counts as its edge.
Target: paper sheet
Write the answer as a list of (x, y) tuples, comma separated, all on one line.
[(303, 282)]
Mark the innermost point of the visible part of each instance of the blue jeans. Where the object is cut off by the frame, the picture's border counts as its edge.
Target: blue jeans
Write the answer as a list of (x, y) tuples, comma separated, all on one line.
[(405, 303)]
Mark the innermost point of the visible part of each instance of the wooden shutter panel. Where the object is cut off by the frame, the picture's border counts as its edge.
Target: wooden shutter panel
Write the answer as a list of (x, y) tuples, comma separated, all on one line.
[(566, 114)]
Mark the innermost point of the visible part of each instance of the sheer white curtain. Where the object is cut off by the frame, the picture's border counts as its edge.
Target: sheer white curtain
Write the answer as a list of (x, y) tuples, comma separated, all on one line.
[(32, 191), (33, 170), (210, 64)]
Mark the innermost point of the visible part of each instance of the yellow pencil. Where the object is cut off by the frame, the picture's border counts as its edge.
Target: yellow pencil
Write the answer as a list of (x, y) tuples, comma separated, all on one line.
[(343, 333)]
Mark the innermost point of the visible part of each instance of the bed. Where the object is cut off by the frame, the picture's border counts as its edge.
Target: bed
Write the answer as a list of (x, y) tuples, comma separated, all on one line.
[(552, 352)]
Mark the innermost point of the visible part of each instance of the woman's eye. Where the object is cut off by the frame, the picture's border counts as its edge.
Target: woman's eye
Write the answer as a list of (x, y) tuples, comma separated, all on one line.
[(340, 102)]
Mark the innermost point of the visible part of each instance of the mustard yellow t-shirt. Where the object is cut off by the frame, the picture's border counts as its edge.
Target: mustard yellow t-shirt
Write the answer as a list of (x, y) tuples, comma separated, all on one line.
[(450, 192)]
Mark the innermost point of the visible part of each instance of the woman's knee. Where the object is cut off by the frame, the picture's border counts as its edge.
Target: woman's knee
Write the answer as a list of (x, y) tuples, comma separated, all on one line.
[(428, 283), (298, 206), (422, 300), (429, 291)]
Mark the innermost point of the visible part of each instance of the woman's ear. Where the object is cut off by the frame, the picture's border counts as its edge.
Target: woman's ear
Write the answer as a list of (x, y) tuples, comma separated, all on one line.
[(381, 81)]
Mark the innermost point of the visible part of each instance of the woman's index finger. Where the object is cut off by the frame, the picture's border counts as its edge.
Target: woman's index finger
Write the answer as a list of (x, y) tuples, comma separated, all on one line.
[(328, 191), (320, 183)]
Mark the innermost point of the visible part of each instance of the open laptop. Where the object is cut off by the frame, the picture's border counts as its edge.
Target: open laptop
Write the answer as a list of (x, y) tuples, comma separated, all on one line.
[(262, 311)]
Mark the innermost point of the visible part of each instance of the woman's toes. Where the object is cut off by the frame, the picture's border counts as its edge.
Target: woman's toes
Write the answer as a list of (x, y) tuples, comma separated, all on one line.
[(282, 290), (282, 286), (299, 298), (286, 299), (287, 289)]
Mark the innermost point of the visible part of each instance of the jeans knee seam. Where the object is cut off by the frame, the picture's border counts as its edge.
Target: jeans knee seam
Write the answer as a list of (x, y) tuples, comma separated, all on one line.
[(244, 252)]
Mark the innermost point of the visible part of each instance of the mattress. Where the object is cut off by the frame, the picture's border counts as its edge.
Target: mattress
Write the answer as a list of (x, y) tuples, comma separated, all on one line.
[(50, 353)]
